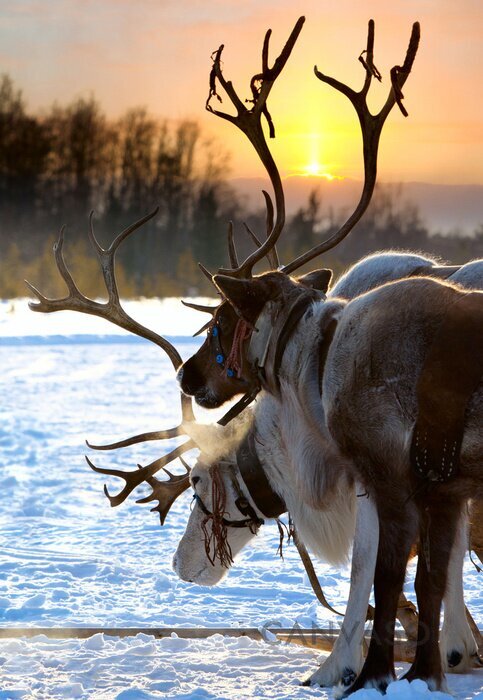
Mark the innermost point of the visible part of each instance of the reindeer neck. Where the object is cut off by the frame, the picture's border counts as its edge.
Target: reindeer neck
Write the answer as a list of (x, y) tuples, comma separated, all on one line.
[(326, 530), (274, 329)]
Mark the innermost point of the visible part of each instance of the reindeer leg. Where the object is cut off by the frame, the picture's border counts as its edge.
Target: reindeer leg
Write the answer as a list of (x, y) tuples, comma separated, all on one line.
[(345, 660), (397, 532), (438, 533), (458, 646)]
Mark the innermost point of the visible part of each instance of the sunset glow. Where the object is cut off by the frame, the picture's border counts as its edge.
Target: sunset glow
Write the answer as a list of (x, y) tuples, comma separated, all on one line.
[(318, 170), (157, 54)]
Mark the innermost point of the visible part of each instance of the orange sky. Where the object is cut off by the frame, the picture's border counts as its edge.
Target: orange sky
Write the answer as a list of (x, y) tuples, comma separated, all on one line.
[(157, 53)]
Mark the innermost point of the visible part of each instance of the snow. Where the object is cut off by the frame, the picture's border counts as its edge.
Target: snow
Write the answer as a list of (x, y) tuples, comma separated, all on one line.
[(69, 560)]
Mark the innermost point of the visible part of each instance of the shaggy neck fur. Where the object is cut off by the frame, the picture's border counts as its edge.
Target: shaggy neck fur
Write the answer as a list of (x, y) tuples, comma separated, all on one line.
[(301, 462)]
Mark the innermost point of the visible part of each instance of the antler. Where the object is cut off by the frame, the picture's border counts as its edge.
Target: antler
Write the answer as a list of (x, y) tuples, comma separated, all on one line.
[(113, 311), (167, 491), (371, 126), (249, 121)]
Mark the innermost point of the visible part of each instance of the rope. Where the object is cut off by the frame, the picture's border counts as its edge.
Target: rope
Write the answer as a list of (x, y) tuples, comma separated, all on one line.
[(242, 332), (216, 537)]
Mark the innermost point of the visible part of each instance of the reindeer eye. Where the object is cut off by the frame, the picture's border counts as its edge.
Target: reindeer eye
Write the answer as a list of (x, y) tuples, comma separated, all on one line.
[(194, 480)]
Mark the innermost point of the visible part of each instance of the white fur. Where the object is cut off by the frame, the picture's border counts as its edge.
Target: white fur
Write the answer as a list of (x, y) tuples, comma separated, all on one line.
[(190, 561), (346, 656), (377, 269), (456, 635), (470, 275)]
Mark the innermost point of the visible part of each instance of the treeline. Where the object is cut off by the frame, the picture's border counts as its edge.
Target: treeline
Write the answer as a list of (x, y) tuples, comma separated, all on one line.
[(57, 166)]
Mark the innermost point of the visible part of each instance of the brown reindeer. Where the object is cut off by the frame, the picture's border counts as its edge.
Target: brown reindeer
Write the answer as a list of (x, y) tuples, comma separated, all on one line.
[(293, 347)]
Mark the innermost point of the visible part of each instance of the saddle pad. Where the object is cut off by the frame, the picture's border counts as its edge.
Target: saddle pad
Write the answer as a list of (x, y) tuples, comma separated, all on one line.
[(451, 373)]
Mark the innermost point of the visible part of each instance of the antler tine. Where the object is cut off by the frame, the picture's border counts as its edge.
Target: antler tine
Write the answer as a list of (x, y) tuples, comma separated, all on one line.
[(142, 437), (259, 244), (200, 307), (166, 492), (231, 246), (249, 121), (75, 298), (371, 126), (204, 309), (134, 478), (206, 272)]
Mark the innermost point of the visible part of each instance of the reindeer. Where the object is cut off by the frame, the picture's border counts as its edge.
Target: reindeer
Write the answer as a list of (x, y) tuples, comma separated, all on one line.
[(287, 356)]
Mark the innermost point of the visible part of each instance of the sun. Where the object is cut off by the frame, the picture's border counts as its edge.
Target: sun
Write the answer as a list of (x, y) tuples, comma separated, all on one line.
[(312, 169), (315, 169)]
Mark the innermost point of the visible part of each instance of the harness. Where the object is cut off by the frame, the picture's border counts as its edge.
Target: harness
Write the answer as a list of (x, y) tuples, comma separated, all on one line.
[(268, 339), (273, 331), (252, 521)]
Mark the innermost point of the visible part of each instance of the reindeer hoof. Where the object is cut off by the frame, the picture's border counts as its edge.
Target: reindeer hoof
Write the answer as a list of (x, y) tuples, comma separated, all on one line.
[(380, 684), (348, 677), (477, 660), (454, 658), (307, 682)]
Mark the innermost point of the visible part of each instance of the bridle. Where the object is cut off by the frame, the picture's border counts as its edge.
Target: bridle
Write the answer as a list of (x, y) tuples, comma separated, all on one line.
[(268, 338), (251, 520), (214, 334), (232, 362)]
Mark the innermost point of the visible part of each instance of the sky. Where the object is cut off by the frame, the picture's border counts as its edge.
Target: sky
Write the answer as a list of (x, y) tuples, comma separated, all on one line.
[(156, 53)]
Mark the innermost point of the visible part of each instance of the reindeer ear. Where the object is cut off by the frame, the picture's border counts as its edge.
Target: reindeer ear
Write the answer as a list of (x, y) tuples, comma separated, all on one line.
[(246, 296), (317, 279)]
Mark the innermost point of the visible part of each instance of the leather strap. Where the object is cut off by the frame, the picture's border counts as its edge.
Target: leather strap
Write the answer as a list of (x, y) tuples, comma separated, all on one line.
[(274, 359), (274, 328), (266, 500)]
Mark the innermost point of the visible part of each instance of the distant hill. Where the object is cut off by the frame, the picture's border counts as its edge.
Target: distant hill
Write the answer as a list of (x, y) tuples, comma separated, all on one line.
[(443, 208)]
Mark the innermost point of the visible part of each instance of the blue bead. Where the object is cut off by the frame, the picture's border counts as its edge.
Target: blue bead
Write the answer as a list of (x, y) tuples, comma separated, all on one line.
[(214, 332), (220, 359), (230, 373)]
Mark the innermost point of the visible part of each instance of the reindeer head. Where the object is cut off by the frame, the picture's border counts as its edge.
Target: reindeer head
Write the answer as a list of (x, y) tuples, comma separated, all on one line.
[(225, 366), (221, 523)]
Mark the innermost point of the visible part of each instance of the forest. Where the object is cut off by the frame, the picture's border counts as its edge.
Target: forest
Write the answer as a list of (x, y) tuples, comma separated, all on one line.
[(57, 166)]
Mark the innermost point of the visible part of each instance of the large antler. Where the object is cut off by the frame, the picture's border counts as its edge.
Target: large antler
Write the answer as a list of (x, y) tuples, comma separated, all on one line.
[(166, 492), (113, 311), (371, 126), (249, 121)]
